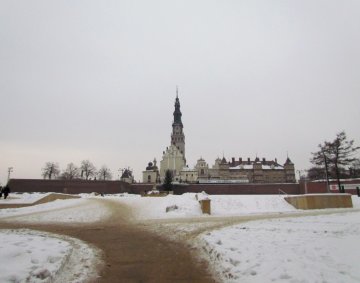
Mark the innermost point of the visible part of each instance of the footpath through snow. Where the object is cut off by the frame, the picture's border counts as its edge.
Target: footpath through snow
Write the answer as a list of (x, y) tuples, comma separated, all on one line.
[(259, 251)]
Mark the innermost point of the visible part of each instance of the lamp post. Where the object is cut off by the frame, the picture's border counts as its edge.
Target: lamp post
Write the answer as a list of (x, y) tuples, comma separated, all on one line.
[(10, 169), (299, 172), (120, 173), (305, 179)]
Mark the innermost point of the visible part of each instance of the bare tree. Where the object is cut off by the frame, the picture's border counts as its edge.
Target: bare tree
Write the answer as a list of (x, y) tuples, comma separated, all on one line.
[(88, 170), (335, 155), (71, 172), (316, 173), (104, 173), (354, 170), (50, 170)]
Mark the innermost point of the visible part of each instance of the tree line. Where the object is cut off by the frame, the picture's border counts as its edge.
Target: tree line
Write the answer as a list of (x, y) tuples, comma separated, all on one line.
[(335, 160), (86, 171)]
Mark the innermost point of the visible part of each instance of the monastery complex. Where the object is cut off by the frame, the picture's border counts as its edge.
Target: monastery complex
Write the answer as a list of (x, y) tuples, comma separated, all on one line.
[(223, 171)]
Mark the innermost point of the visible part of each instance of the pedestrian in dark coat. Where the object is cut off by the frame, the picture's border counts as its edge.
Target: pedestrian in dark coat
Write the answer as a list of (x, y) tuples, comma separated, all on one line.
[(1, 188), (6, 191)]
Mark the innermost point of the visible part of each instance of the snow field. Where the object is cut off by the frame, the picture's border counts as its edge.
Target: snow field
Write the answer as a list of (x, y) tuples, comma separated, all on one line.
[(303, 249), (72, 210), (155, 207), (32, 256), (225, 205), (221, 205), (82, 210), (23, 197)]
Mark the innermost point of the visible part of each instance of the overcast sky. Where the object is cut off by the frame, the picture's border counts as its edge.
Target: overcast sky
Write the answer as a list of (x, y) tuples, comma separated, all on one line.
[(97, 80)]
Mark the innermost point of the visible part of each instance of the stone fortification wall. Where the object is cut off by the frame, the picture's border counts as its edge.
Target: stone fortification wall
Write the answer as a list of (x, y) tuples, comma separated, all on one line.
[(68, 186), (238, 189), (224, 189), (319, 187), (113, 187), (139, 188)]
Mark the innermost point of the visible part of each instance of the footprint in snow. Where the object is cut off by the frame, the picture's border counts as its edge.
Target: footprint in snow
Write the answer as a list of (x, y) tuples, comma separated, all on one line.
[(285, 276), (234, 262)]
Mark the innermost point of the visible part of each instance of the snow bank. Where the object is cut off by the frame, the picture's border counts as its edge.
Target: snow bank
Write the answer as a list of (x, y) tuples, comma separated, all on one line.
[(23, 198), (86, 210), (221, 205), (32, 256), (64, 211), (229, 205), (155, 207), (304, 249)]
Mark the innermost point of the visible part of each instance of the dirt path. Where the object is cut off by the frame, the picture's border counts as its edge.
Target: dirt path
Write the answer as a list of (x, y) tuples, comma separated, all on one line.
[(152, 250), (187, 229), (131, 253)]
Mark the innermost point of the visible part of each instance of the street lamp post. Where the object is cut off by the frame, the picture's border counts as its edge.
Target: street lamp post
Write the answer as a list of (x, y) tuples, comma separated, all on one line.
[(120, 173), (10, 169), (299, 172), (305, 179)]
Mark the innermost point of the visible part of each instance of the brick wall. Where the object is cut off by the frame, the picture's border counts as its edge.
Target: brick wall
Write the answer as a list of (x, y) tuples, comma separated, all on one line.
[(113, 187), (69, 187), (321, 187), (225, 189), (139, 188), (238, 189)]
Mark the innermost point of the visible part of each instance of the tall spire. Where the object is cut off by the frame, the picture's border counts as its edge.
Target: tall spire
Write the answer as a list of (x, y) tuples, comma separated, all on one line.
[(177, 135), (177, 112)]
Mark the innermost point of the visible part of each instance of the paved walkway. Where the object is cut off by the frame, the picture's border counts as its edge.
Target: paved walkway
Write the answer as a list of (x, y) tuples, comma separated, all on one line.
[(131, 253), (153, 250)]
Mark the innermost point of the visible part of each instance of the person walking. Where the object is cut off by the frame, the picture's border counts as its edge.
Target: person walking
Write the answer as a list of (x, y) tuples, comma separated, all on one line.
[(6, 191), (1, 192)]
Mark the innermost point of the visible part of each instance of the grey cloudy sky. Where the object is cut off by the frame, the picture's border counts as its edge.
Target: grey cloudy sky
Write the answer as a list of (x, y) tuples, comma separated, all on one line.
[(96, 80)]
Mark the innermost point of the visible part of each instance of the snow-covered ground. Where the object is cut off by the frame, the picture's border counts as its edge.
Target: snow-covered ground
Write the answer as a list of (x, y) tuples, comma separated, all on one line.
[(16, 198), (72, 210), (143, 207), (32, 256), (221, 205), (82, 210), (306, 249)]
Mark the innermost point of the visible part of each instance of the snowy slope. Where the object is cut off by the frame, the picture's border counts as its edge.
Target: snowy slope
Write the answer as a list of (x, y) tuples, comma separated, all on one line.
[(32, 256), (221, 205), (304, 249), (61, 211)]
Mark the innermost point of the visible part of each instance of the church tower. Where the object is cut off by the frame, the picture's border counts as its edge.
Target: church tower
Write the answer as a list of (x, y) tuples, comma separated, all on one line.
[(177, 135), (174, 157)]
